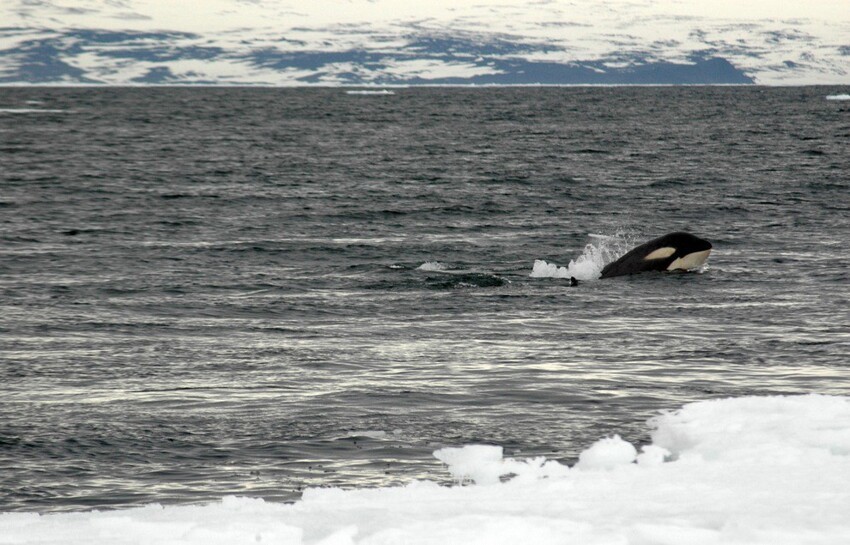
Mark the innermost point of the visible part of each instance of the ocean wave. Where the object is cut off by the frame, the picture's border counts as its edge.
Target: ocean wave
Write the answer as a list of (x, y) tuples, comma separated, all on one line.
[(738, 470), (438, 280), (465, 280), (838, 97), (432, 266), (370, 92), (30, 111)]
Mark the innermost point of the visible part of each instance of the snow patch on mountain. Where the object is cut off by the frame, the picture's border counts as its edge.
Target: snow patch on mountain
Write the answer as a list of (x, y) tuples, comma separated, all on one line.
[(333, 42)]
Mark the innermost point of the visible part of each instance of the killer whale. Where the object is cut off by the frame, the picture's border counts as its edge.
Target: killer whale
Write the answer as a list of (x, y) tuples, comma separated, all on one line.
[(673, 251)]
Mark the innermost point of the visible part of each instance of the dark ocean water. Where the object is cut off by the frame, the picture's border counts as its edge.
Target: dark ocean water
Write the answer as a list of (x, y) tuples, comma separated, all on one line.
[(218, 291)]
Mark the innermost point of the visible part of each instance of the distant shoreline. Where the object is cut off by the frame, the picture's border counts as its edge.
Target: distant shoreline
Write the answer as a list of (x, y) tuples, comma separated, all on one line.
[(402, 86)]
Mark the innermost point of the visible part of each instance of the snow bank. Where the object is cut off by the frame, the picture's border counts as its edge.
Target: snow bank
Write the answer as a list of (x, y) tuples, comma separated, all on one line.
[(773, 470), (607, 453)]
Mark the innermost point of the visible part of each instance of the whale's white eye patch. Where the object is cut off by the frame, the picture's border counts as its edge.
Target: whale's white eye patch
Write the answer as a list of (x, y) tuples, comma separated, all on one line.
[(690, 261), (660, 253)]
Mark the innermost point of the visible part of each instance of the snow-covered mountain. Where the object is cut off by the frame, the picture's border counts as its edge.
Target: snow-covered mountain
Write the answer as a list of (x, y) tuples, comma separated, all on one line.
[(385, 42)]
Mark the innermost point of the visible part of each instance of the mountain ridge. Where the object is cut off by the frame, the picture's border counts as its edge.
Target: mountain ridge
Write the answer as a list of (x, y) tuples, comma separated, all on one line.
[(557, 42)]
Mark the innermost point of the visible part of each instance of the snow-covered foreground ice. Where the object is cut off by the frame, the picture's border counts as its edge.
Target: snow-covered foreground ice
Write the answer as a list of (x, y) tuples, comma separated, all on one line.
[(747, 470)]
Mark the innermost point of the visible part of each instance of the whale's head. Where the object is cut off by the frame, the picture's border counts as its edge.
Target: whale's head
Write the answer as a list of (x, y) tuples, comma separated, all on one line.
[(686, 250), (671, 252)]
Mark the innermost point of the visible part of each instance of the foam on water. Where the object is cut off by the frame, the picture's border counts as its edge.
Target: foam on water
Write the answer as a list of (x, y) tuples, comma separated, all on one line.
[(738, 470), (370, 92), (432, 266), (30, 111), (602, 250), (371, 434), (838, 97)]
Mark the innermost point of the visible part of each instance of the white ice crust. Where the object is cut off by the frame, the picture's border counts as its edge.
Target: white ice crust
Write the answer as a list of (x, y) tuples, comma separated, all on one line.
[(772, 470)]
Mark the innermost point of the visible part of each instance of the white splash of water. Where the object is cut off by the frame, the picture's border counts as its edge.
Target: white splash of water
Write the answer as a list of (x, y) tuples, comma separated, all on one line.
[(601, 250), (370, 92), (838, 97), (432, 266)]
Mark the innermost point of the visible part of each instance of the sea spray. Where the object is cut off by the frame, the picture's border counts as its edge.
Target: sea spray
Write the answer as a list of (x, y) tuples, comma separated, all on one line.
[(601, 250), (432, 266)]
